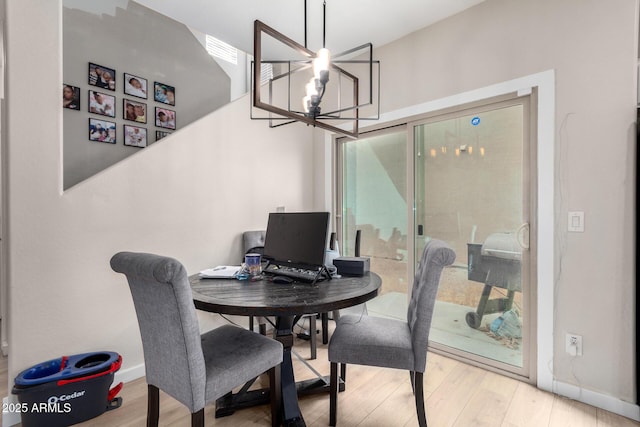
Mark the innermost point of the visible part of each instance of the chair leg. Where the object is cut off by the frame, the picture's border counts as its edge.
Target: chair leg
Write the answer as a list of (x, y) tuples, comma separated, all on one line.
[(313, 335), (275, 393), (413, 385), (262, 326), (153, 405), (333, 394), (419, 394), (197, 418), (325, 327), (343, 373)]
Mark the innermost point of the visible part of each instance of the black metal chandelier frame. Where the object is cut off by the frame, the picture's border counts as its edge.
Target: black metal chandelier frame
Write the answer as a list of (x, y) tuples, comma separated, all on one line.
[(279, 116)]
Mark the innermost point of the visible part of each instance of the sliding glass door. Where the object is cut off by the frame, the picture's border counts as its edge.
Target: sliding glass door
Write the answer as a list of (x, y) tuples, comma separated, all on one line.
[(462, 176), (470, 190)]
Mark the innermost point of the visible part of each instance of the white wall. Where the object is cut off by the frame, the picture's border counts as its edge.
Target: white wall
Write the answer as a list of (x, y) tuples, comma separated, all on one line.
[(189, 197), (239, 73), (139, 41), (591, 46), (3, 216)]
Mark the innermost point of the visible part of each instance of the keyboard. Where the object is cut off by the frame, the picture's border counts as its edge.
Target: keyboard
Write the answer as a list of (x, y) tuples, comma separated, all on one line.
[(295, 273)]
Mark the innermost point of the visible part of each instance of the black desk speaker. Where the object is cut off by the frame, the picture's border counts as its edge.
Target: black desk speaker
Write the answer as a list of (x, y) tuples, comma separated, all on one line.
[(352, 266)]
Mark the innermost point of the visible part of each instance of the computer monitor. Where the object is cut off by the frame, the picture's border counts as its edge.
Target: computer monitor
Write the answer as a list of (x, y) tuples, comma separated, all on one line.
[(297, 239)]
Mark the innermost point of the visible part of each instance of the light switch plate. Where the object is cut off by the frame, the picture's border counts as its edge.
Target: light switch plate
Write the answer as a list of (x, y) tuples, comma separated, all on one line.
[(575, 221)]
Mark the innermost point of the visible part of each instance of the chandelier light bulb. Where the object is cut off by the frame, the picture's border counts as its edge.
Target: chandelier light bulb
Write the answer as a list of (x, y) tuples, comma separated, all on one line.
[(321, 62), (305, 103), (311, 87)]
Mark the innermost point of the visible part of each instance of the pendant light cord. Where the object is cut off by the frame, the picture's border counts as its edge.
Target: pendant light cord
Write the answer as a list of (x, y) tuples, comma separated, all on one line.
[(324, 22), (305, 23)]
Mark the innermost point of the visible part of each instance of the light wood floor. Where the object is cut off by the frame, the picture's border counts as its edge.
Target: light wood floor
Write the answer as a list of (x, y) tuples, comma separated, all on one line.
[(456, 395)]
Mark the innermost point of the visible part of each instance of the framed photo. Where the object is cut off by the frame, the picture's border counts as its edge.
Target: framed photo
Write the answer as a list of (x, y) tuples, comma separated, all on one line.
[(134, 111), (135, 136), (135, 86), (161, 134), (101, 103), (70, 97), (165, 118), (164, 93), (102, 77), (102, 131)]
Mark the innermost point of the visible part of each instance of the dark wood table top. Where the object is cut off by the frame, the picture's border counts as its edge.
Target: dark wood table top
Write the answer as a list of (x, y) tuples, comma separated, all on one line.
[(265, 298)]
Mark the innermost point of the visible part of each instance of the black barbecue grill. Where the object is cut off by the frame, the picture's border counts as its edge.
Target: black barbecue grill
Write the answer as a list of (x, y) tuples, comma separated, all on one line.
[(496, 263)]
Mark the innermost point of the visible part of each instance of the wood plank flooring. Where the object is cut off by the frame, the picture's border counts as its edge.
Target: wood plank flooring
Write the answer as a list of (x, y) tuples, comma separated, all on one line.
[(457, 395)]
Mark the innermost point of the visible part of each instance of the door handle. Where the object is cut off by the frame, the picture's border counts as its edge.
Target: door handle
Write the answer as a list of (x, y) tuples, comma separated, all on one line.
[(522, 235)]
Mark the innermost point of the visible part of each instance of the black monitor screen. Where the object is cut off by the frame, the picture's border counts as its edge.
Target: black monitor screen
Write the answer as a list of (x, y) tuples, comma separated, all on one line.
[(297, 238)]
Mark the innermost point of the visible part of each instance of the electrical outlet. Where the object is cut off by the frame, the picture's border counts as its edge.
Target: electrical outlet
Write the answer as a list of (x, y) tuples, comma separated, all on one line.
[(573, 344)]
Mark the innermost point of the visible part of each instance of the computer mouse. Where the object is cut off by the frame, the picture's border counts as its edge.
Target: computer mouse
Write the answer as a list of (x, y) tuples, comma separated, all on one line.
[(282, 279)]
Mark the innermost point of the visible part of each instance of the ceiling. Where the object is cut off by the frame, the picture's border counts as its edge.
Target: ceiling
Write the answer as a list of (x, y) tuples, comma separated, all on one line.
[(349, 23)]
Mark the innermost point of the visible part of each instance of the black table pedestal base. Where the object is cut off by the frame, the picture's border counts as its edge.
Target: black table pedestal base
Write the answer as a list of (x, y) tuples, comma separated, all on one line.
[(294, 422), (230, 403), (245, 398)]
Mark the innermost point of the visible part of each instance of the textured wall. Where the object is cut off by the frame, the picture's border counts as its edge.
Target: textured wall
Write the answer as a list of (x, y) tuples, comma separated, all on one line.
[(138, 41)]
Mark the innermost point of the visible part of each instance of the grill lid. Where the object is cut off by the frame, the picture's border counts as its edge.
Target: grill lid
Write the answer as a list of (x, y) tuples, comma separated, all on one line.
[(502, 245)]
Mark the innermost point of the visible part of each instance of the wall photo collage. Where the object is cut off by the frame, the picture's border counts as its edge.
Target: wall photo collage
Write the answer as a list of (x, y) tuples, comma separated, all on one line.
[(101, 101)]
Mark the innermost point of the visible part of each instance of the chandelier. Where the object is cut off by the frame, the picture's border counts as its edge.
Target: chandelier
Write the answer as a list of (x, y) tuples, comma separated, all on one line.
[(291, 83)]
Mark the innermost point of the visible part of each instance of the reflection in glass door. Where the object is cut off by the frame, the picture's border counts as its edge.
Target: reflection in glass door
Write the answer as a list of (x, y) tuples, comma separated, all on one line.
[(469, 188), (374, 204)]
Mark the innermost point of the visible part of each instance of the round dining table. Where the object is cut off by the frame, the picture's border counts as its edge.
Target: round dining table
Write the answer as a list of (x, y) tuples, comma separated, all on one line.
[(286, 302)]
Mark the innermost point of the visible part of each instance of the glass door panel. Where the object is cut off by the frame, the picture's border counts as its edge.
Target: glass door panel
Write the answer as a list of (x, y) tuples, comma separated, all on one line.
[(469, 180), (374, 202)]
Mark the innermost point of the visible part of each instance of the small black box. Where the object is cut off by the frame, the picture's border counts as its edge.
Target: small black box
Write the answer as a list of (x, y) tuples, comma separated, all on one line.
[(352, 266)]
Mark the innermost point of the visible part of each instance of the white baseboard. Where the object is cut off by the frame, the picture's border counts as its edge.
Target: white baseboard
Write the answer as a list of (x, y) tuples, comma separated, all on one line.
[(599, 400), (129, 374)]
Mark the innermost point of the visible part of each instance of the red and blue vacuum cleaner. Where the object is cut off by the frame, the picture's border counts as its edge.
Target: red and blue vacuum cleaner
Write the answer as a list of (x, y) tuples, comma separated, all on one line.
[(68, 390)]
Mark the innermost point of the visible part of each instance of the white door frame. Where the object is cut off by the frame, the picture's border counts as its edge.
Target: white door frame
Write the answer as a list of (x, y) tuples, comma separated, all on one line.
[(4, 344)]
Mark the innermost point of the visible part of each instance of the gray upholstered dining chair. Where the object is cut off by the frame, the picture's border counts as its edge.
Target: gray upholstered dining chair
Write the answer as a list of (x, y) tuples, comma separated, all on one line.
[(253, 241), (391, 343), (192, 368)]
